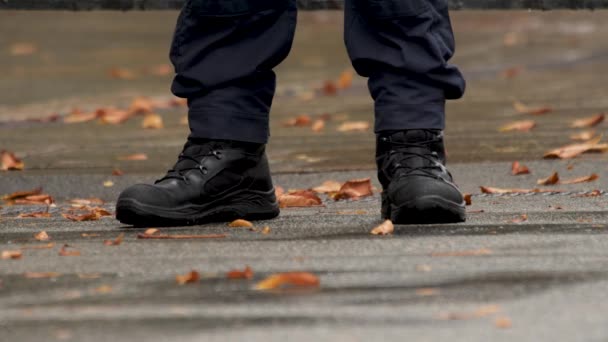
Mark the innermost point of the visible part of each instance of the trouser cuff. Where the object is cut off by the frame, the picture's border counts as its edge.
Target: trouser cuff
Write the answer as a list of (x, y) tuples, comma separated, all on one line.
[(419, 116)]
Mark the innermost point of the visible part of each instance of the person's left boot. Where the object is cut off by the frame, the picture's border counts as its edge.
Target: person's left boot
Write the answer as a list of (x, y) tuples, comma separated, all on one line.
[(417, 188)]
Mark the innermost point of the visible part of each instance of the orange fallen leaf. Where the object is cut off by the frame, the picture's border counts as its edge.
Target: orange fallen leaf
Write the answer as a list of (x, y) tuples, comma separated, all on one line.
[(152, 121), (240, 224), (38, 214), (89, 275), (354, 189), (329, 88), (247, 273), (300, 198), (89, 235), (583, 136), (467, 199), (43, 199), (385, 228), (278, 191), (476, 252), (41, 275), (10, 162), (22, 49), (345, 80), (318, 125), (551, 180), (427, 291), (574, 150), (494, 190), (78, 116), (524, 109), (151, 231), (42, 236), (584, 179), (328, 187), (93, 214), (521, 126), (6, 255), (351, 126), (122, 74), (188, 278), (22, 194), (116, 241), (65, 252), (503, 322), (594, 193), (180, 237), (266, 230), (103, 289), (113, 116), (161, 70), (588, 122), (87, 201), (520, 219), (141, 105), (519, 169), (298, 279), (134, 157), (302, 120)]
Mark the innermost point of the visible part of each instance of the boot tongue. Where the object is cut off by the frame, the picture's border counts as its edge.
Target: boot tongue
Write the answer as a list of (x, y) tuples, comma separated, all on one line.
[(423, 138), (195, 151), (414, 136)]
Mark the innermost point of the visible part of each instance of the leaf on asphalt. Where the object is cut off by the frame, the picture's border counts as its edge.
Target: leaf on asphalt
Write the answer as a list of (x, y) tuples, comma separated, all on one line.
[(10, 162), (328, 187), (247, 273), (42, 236), (41, 275), (588, 122), (87, 201), (152, 121), (318, 125), (22, 194), (354, 126), (551, 180), (475, 252), (78, 116), (14, 254), (134, 157), (89, 275), (574, 150), (240, 223), (45, 246), (161, 70), (42, 199), (354, 189), (345, 80), (278, 191), (92, 214), (142, 105), (427, 291), (385, 228), (467, 199), (511, 72), (487, 310), (64, 251), (583, 136), (108, 184), (296, 279), (22, 49), (329, 88), (503, 322), (180, 237), (592, 177), (520, 219), (266, 230), (103, 289), (525, 109), (37, 214), (122, 74), (151, 231), (299, 198), (113, 116), (302, 120), (521, 126), (116, 241), (494, 190), (188, 278), (519, 169), (594, 193), (89, 235)]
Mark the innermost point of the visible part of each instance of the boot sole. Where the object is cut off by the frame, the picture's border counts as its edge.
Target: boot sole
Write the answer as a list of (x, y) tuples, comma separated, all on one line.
[(427, 210), (249, 205)]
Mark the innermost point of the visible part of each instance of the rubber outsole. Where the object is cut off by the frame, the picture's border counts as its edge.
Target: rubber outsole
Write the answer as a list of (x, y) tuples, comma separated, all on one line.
[(424, 210)]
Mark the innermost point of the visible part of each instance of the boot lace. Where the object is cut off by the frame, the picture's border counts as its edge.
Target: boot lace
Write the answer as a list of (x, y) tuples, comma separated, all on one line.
[(401, 158), (179, 172)]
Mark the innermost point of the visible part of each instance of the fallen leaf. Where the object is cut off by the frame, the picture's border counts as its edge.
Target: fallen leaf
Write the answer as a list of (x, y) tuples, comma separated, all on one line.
[(41, 275), (476, 252), (188, 278), (22, 194), (350, 126), (427, 291), (77, 116), (122, 74), (511, 39), (494, 190), (46, 246), (318, 125), (467, 199), (240, 223), (588, 122), (136, 156), (551, 180), (511, 72), (141, 105), (38, 214), (87, 201), (385, 228), (152, 121), (302, 120), (42, 236), (16, 254), (10, 162), (103, 289), (116, 241), (161, 70), (92, 214), (247, 273), (584, 179), (298, 279), (503, 322), (328, 187), (487, 310), (520, 219), (65, 252), (266, 230), (329, 88), (22, 49), (108, 184), (345, 80), (594, 193), (113, 116), (583, 136), (89, 235), (180, 237), (519, 169), (43, 199), (524, 109), (521, 126), (151, 231), (300, 198), (574, 150), (278, 191), (89, 275), (354, 189)]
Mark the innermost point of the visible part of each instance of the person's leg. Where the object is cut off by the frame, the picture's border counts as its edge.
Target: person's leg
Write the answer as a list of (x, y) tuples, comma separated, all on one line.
[(223, 53), (403, 47)]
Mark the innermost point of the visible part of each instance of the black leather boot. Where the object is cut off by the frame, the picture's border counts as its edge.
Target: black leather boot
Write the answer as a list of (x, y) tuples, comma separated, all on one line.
[(417, 188), (211, 181)]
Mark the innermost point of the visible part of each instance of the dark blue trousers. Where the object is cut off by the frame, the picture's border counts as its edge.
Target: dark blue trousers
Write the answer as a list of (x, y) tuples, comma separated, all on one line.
[(224, 52)]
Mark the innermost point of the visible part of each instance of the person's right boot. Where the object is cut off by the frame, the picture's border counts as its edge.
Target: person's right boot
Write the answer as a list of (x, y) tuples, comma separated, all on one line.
[(211, 181)]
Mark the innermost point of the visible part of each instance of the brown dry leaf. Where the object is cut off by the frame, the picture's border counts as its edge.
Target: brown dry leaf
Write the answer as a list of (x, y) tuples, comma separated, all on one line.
[(520, 219), (467, 199), (141, 105), (103, 289), (503, 322), (113, 116), (134, 157), (476, 252), (15, 254), (122, 74), (188, 278), (42, 236), (385, 228), (65, 252), (519, 169), (93, 214), (87, 201), (354, 126), (328, 187), (585, 179), (318, 125), (524, 109), (345, 80), (42, 199), (583, 136), (494, 190), (354, 189), (278, 191), (78, 116), (180, 237), (594, 193), (116, 241), (511, 72), (300, 198), (521, 126), (89, 235), (10, 162), (487, 310), (588, 122), (247, 273), (89, 275), (22, 49), (574, 150), (152, 121), (329, 88), (22, 194), (427, 291), (240, 224), (551, 180), (161, 70), (302, 120), (266, 230), (151, 231), (37, 214), (41, 275), (298, 279)]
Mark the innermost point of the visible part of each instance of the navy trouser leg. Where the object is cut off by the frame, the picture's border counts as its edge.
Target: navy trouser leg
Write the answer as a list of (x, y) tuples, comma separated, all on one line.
[(224, 52), (403, 47)]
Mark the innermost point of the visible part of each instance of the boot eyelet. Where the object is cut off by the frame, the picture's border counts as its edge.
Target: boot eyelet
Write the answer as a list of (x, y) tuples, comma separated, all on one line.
[(203, 169), (218, 154)]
